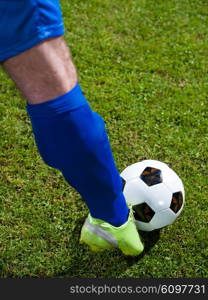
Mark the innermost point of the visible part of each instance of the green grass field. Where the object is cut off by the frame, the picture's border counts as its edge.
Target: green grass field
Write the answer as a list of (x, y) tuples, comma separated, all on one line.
[(143, 66)]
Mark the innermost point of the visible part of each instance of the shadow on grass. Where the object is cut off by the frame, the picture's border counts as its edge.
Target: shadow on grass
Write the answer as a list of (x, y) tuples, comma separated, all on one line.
[(150, 239), (106, 264)]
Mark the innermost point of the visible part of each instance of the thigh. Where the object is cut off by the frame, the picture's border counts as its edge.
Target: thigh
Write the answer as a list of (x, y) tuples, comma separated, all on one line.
[(25, 23)]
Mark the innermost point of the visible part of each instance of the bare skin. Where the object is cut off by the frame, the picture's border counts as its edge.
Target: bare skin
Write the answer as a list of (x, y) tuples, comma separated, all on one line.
[(43, 72)]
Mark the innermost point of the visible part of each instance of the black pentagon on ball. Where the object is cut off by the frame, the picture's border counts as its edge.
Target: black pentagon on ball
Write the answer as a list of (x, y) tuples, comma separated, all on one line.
[(176, 202), (151, 176), (142, 212), (123, 183)]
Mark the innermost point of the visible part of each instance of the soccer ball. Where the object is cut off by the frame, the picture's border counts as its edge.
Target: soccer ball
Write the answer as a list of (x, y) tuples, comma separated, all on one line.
[(155, 192)]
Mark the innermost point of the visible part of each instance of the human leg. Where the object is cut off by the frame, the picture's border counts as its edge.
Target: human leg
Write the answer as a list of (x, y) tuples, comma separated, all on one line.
[(73, 140), (69, 135)]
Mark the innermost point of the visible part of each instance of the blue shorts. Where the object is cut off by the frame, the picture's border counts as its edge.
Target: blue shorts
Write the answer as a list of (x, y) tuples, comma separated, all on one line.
[(25, 23)]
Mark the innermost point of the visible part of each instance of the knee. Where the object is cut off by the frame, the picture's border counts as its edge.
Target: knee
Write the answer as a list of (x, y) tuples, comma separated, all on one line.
[(43, 72)]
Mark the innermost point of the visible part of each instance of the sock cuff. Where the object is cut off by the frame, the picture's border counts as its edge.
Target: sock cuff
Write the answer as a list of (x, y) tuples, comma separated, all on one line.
[(67, 102)]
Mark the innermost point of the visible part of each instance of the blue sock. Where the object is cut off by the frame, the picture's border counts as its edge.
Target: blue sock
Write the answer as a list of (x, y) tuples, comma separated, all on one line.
[(72, 138)]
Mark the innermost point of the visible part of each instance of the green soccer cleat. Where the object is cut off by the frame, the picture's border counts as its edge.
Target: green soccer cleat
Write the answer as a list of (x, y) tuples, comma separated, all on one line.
[(100, 235)]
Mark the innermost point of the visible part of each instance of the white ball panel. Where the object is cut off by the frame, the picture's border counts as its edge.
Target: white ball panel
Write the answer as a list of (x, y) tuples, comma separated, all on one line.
[(172, 181), (133, 171), (158, 197), (135, 191), (144, 226), (154, 164), (163, 218)]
